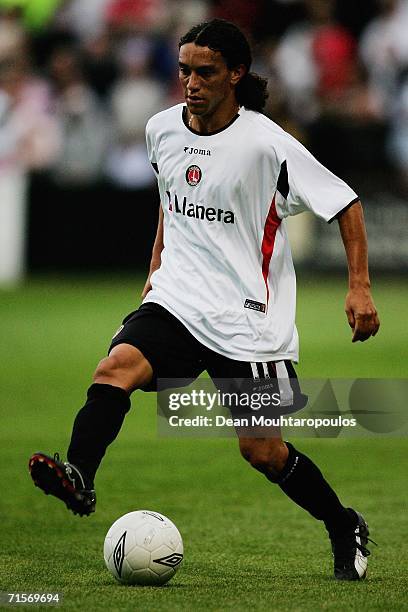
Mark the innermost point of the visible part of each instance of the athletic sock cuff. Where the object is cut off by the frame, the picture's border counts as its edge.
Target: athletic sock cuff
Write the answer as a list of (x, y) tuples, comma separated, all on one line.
[(290, 465), (109, 392)]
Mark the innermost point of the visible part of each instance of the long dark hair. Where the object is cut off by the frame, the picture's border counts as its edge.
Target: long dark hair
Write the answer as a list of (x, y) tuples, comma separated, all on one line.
[(227, 38)]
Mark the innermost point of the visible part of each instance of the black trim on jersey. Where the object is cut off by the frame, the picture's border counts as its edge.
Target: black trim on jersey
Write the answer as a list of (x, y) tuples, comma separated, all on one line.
[(343, 210), (184, 117), (155, 167), (283, 181)]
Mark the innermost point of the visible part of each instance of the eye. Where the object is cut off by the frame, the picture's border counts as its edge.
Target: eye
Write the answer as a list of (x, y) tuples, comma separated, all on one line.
[(206, 72), (184, 70)]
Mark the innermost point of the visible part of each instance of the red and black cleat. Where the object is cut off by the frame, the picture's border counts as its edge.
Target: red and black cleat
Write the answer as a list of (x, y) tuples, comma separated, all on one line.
[(63, 480)]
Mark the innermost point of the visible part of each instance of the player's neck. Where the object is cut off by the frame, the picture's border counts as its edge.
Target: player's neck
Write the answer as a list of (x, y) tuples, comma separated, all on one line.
[(217, 121)]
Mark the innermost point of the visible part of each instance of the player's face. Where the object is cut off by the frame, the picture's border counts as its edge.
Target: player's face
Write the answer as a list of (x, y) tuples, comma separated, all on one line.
[(206, 80)]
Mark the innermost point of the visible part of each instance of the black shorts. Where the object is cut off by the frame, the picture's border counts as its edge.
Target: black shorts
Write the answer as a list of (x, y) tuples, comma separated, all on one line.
[(175, 354)]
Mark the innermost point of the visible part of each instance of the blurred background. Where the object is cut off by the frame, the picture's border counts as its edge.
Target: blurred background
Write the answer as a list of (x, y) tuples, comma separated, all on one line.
[(78, 213), (78, 81)]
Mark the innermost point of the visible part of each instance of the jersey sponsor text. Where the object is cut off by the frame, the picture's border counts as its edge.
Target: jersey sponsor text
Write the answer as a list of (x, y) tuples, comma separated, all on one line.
[(199, 211)]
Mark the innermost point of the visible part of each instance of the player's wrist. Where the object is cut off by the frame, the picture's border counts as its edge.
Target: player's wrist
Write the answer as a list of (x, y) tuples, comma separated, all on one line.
[(357, 284)]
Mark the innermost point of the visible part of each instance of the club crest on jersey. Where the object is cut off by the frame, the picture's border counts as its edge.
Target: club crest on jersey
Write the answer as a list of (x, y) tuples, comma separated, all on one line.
[(193, 175)]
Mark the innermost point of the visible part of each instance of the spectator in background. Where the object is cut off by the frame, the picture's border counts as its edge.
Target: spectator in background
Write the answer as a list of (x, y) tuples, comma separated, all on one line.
[(398, 138), (134, 97), (12, 33), (84, 23), (181, 16), (100, 66), (384, 51), (83, 123), (28, 140), (84, 19), (186, 13), (297, 70), (315, 61), (247, 15), (136, 15), (333, 52)]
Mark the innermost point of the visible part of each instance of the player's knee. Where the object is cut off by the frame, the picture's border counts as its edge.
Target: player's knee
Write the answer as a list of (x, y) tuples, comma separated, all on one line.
[(110, 371), (269, 458), (125, 367), (106, 368)]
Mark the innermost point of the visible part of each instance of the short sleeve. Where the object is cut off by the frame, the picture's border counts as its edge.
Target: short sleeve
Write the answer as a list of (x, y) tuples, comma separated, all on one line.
[(311, 186)]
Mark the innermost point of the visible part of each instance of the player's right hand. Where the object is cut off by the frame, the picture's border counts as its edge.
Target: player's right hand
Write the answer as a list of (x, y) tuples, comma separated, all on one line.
[(361, 314)]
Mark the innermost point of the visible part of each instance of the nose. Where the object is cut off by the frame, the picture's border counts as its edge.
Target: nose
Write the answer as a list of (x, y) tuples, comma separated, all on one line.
[(193, 83)]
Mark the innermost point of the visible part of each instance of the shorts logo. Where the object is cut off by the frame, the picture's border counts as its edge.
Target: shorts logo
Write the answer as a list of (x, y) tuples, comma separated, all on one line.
[(193, 175), (252, 305)]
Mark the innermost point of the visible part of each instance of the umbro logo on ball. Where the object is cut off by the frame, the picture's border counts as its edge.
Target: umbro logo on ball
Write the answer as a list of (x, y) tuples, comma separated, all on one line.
[(119, 554), (159, 518), (171, 560), (193, 175)]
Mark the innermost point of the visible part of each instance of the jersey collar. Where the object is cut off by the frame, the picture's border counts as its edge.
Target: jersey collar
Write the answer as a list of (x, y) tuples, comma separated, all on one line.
[(190, 129)]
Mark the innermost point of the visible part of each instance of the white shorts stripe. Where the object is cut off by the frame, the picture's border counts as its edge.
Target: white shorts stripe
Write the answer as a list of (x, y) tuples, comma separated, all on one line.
[(255, 372), (285, 389)]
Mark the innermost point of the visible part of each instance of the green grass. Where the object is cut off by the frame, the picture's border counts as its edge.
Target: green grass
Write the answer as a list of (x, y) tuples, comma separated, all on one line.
[(246, 545)]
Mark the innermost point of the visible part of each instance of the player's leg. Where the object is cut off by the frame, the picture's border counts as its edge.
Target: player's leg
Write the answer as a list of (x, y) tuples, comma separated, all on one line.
[(302, 481), (150, 344), (295, 473), (98, 423), (95, 427), (299, 478)]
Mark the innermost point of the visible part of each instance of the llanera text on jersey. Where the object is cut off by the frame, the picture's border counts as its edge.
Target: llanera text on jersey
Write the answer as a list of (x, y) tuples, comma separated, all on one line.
[(199, 211)]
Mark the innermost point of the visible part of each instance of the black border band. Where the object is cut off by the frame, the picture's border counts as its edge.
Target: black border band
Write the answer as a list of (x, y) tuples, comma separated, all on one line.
[(190, 129), (343, 210)]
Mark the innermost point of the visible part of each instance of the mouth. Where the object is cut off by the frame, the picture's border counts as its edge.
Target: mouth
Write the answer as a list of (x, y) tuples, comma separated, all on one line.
[(193, 100)]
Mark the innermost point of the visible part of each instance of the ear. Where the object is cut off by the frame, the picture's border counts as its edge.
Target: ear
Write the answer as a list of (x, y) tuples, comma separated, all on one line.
[(237, 74)]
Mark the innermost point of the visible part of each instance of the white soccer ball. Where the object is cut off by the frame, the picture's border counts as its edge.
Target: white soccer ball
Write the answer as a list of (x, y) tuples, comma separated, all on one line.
[(143, 547)]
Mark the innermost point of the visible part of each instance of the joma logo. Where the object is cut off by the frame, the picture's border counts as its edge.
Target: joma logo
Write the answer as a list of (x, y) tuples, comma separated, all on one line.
[(193, 151)]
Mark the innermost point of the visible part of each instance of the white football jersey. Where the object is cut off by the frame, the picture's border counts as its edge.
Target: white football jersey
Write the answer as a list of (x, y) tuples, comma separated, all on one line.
[(227, 272)]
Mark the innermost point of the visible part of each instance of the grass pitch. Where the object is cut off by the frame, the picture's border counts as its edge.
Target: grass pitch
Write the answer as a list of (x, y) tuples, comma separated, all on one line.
[(246, 545)]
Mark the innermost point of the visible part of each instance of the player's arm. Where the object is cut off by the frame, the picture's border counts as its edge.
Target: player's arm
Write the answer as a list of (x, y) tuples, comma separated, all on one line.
[(361, 312), (156, 253)]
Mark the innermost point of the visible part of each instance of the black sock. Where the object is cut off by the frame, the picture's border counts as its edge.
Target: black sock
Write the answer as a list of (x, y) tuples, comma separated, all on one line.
[(303, 482), (96, 425)]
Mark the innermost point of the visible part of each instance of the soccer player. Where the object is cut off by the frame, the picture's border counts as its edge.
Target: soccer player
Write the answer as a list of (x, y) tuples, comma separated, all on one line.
[(220, 295)]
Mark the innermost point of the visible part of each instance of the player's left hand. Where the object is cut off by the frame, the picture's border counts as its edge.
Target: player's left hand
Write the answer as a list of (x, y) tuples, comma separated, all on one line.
[(361, 314)]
